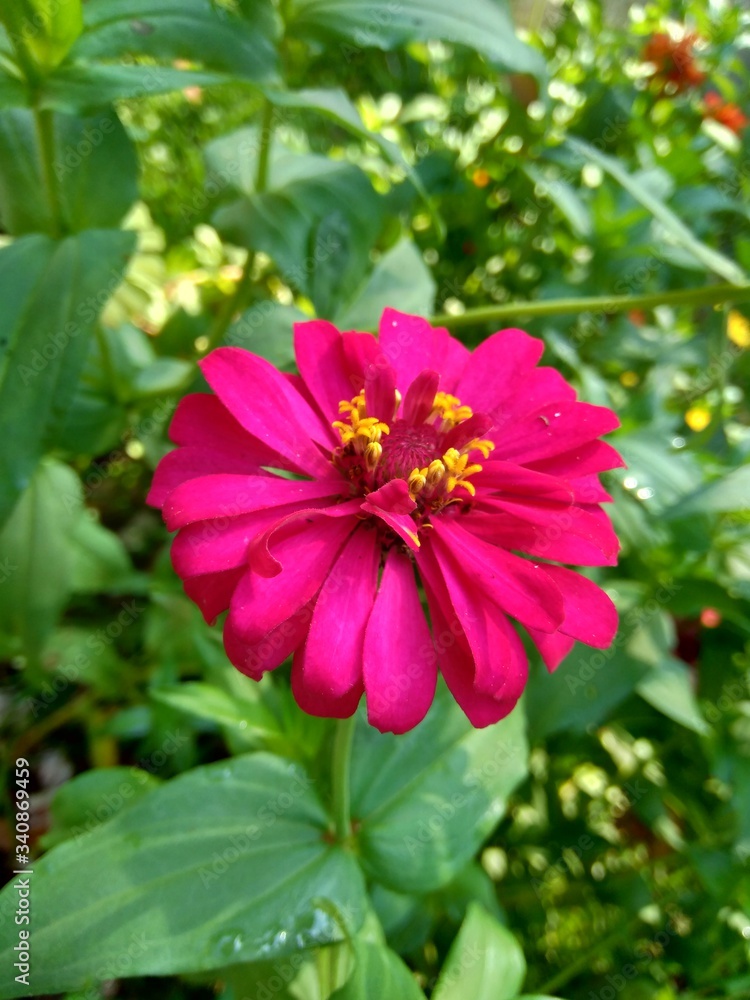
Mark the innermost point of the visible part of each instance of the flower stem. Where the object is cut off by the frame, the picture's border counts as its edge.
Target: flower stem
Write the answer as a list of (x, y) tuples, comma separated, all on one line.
[(340, 776), (45, 130), (710, 295), (234, 302)]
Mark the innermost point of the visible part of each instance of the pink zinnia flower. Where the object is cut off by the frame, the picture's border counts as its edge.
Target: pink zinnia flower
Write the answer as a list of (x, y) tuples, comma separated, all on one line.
[(308, 505)]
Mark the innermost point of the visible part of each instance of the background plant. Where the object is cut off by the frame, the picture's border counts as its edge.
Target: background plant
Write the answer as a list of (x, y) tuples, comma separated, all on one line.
[(175, 174)]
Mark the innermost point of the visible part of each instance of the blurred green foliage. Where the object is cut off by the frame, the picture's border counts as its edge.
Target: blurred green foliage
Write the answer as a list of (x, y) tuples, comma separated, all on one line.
[(174, 175)]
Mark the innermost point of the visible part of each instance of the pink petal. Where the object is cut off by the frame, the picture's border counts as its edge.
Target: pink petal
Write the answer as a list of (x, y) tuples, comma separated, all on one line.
[(305, 552), (212, 592), (314, 699), (184, 464), (420, 397), (594, 456), (411, 345), (477, 426), (380, 392), (457, 663), (553, 429), (500, 665), (553, 648), (269, 407), (324, 365), (510, 480), (558, 541), (540, 387), (590, 615), (497, 368), (217, 545), (302, 518), (202, 420), (516, 586), (551, 520), (268, 652), (588, 490), (229, 495), (400, 669), (393, 505), (333, 651)]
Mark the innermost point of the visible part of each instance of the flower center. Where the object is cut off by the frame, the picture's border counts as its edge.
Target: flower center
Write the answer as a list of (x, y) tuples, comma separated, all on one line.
[(431, 444)]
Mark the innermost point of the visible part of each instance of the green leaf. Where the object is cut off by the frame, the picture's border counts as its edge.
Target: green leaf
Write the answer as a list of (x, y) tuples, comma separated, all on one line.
[(316, 212), (254, 720), (426, 800), (37, 555), (73, 88), (485, 961), (100, 561), (93, 798), (483, 25), (51, 293), (725, 495), (378, 974), (668, 688), (13, 92), (95, 170), (46, 28), (564, 197), (400, 278), (711, 259), (267, 328), (225, 864)]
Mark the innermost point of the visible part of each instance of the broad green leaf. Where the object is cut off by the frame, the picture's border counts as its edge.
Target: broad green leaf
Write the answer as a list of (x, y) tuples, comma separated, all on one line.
[(51, 292), (711, 259), (267, 328), (483, 25), (13, 92), (194, 30), (316, 213), (426, 800), (485, 961), (84, 87), (46, 28), (100, 561), (400, 278), (93, 798), (378, 973), (584, 689), (38, 559), (668, 688), (225, 864), (95, 173), (253, 720), (725, 495)]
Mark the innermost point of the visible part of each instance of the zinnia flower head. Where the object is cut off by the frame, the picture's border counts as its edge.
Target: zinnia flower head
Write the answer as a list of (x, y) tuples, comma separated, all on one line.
[(674, 61), (309, 506), (727, 114)]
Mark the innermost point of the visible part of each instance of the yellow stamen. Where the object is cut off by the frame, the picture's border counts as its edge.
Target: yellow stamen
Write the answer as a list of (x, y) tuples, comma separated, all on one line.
[(482, 445), (373, 454), (449, 408), (417, 481)]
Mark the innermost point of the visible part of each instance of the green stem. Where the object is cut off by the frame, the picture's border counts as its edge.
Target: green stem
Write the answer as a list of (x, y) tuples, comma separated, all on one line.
[(234, 302), (340, 777), (711, 295), (45, 130)]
